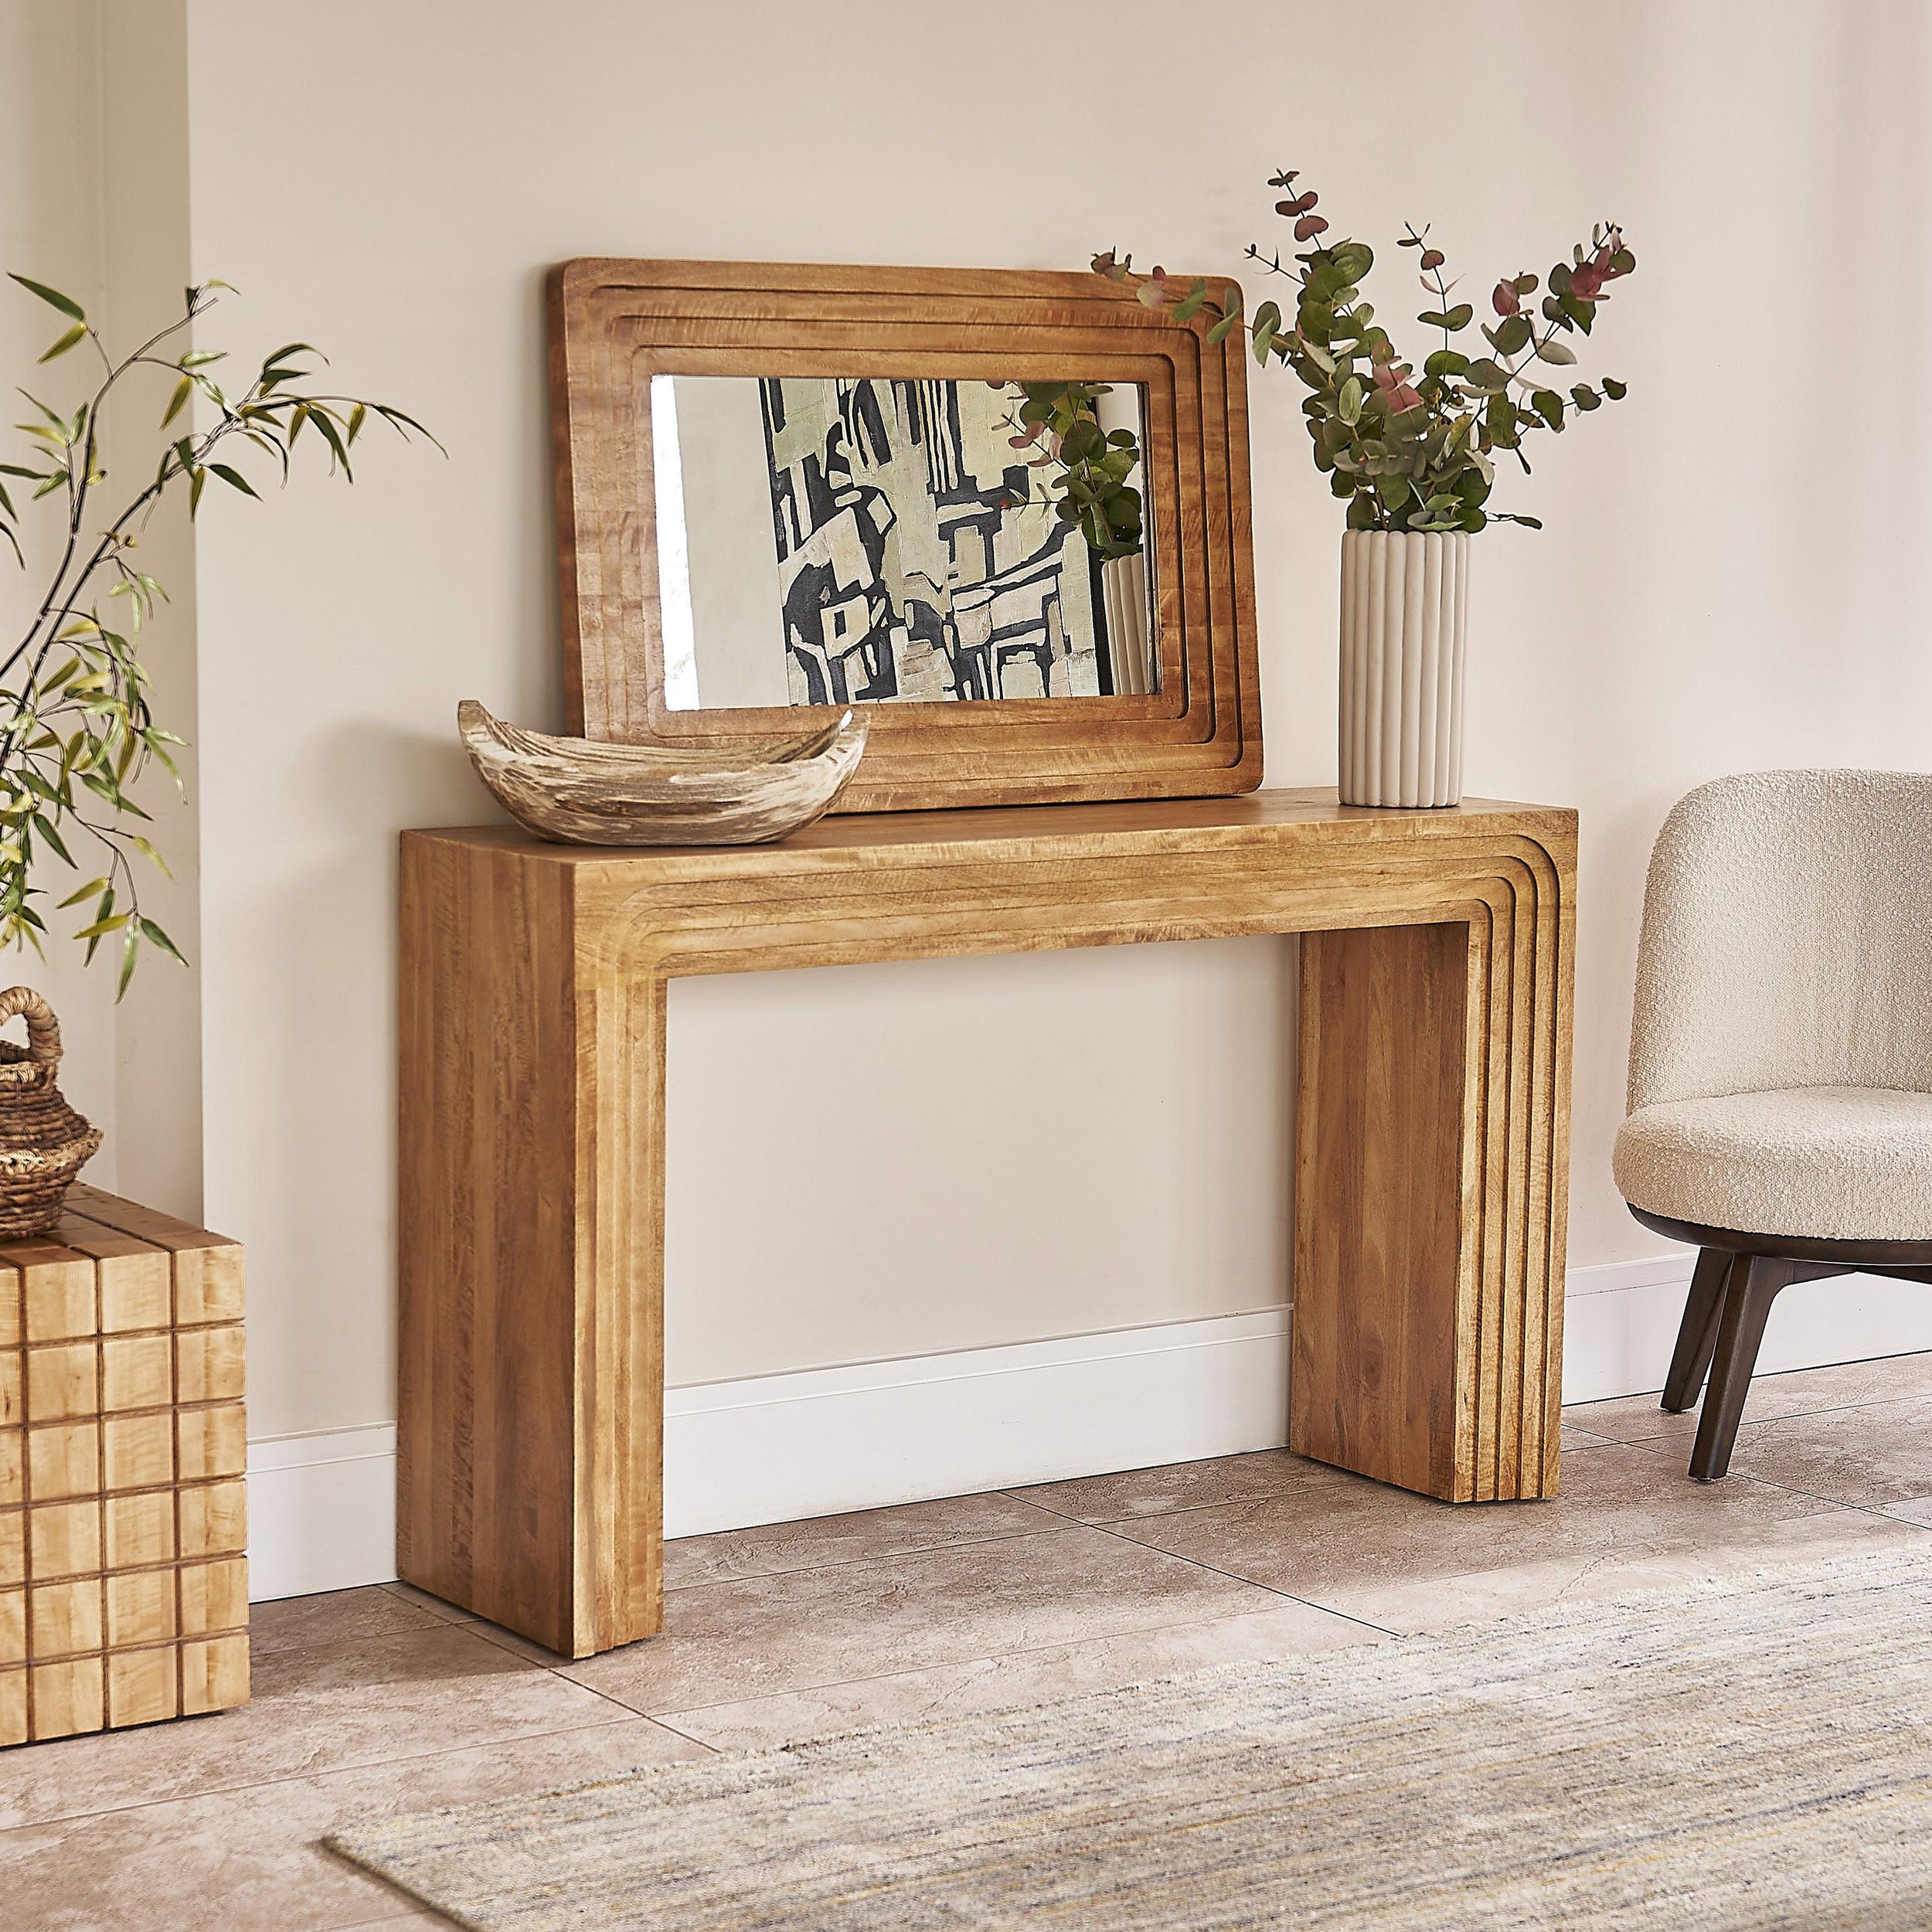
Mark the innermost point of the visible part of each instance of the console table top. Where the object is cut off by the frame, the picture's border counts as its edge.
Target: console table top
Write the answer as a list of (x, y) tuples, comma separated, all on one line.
[(1132, 820)]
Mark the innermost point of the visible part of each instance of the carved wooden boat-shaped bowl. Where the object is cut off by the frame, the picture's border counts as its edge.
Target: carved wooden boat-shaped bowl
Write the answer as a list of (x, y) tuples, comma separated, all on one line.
[(580, 792)]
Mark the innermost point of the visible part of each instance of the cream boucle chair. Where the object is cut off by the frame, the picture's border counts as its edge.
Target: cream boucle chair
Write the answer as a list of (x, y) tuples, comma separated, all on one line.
[(1781, 1063)]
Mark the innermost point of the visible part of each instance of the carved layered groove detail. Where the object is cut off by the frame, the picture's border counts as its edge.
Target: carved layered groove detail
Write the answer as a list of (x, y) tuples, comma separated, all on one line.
[(1429, 1314)]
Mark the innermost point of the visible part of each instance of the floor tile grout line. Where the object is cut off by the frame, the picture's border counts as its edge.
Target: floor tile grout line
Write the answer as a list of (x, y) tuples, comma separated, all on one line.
[(261, 1652), (1235, 1577), (361, 1764), (1883, 1511), (716, 1750), (362, 1642), (1061, 1524), (1750, 1421), (951, 1663), (1789, 1489), (1188, 1508), (1046, 1508), (492, 1633), (891, 1555), (446, 1612)]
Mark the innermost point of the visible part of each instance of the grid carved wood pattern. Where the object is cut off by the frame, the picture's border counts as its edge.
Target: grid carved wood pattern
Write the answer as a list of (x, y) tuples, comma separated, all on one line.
[(615, 325), (1432, 1135), (124, 1519)]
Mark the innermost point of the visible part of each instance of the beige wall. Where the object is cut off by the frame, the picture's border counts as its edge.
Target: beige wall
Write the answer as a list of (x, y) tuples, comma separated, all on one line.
[(1733, 574), (93, 144), (50, 228)]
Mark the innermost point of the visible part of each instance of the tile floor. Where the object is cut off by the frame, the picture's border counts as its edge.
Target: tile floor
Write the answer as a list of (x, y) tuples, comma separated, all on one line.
[(375, 1701)]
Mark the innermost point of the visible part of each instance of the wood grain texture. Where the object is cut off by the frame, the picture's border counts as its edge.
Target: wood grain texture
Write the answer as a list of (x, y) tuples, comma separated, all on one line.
[(123, 1517), (1384, 1050), (1434, 1138), (615, 325)]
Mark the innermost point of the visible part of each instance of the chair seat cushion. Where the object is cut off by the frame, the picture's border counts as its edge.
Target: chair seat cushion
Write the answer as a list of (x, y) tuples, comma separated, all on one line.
[(1835, 1163)]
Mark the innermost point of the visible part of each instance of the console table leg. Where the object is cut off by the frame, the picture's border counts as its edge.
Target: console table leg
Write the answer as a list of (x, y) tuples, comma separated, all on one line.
[(506, 1251), (1428, 1251)]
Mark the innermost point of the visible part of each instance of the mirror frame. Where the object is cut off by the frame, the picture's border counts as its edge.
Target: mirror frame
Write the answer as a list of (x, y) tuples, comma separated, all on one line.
[(614, 324)]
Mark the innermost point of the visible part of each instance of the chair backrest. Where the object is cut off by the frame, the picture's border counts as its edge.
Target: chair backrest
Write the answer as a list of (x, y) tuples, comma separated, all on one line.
[(1788, 938)]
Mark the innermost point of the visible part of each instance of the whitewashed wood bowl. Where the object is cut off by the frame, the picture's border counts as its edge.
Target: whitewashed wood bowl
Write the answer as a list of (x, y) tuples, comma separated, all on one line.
[(580, 792)]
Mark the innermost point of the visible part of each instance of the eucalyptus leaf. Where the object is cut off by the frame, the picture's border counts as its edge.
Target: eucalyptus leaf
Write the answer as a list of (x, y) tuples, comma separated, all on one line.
[(1511, 335), (1408, 451), (1352, 260), (1185, 311)]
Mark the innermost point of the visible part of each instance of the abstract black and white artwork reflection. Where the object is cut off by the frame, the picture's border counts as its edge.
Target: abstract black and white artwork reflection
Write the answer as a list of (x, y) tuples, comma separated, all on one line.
[(914, 561)]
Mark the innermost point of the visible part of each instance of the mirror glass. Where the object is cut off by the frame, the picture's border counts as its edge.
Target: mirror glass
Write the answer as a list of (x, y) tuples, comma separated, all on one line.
[(828, 540)]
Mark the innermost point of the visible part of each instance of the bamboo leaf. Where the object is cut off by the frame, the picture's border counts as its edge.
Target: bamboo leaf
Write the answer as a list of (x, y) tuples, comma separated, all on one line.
[(332, 435), (183, 389), (146, 849), (44, 825), (77, 333), (399, 421), (234, 479), (52, 297), (156, 937)]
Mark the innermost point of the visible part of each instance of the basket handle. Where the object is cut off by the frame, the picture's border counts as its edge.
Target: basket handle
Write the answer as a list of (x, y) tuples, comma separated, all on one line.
[(43, 1030)]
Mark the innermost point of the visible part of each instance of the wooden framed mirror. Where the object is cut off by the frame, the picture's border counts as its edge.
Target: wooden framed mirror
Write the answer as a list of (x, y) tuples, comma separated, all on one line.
[(783, 487)]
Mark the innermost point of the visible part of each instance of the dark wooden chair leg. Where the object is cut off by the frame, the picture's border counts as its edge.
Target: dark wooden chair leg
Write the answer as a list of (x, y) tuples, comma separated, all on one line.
[(1753, 1284), (1697, 1334)]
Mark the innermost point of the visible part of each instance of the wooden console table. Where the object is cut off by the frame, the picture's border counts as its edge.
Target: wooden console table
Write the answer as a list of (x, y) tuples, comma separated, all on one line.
[(1432, 1142)]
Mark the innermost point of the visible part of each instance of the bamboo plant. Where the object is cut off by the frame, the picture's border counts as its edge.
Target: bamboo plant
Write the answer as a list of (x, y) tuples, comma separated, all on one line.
[(77, 726)]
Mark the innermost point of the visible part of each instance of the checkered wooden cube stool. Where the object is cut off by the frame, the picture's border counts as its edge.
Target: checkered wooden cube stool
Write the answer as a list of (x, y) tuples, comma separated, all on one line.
[(124, 1585)]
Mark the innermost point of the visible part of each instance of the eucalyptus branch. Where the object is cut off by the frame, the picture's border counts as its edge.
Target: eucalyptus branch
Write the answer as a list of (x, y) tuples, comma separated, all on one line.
[(75, 722), (1408, 451), (1061, 420)]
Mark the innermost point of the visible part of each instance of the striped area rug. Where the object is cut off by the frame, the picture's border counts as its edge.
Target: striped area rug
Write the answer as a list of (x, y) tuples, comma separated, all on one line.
[(1752, 1752)]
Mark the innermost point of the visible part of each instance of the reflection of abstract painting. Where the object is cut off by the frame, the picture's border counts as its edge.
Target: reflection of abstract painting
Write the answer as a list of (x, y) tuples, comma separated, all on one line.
[(912, 562)]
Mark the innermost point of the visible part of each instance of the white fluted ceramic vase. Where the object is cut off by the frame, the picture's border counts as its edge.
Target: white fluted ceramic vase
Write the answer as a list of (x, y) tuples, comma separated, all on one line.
[(1405, 601)]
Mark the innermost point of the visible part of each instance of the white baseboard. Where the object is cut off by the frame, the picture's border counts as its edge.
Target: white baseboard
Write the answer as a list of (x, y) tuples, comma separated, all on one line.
[(321, 1511), (1619, 1323), (826, 1439), (777, 1448)]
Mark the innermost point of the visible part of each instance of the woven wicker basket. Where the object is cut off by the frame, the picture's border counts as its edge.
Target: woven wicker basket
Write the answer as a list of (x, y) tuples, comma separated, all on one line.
[(43, 1142)]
